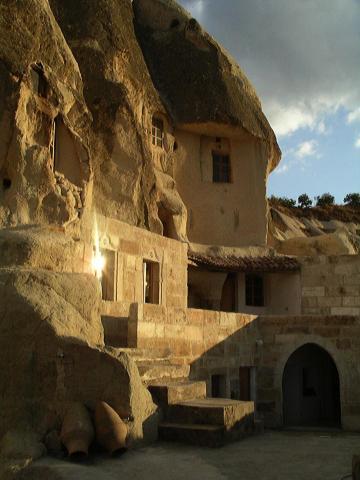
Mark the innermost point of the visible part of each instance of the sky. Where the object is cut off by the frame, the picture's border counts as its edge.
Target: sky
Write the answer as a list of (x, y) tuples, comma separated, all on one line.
[(303, 57)]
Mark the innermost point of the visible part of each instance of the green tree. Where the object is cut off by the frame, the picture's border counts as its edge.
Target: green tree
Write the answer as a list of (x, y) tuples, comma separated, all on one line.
[(304, 201), (352, 199), (325, 200)]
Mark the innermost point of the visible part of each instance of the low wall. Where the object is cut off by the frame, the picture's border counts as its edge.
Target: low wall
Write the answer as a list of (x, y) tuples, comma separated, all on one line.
[(339, 336), (331, 285), (220, 343)]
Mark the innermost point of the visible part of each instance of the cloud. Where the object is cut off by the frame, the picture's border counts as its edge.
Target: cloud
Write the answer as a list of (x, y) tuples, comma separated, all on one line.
[(306, 149), (302, 60), (283, 168), (354, 116), (357, 142)]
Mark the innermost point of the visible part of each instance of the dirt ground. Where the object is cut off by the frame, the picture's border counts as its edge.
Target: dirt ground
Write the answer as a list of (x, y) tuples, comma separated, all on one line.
[(272, 456)]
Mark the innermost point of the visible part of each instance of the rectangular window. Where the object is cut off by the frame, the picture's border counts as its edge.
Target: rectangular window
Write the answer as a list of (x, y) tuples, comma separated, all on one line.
[(109, 276), (218, 386), (254, 290), (221, 168), (52, 144), (245, 383), (151, 282), (38, 80), (157, 132)]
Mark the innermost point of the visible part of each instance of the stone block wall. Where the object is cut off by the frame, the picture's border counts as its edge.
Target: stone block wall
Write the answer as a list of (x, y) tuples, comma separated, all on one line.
[(331, 285), (213, 343), (282, 336), (132, 246), (219, 343)]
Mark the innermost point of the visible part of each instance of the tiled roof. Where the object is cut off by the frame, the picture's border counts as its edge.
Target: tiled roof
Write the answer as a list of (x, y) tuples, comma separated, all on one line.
[(269, 264)]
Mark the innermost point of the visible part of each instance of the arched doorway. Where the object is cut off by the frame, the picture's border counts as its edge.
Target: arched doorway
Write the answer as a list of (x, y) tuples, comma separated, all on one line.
[(311, 389)]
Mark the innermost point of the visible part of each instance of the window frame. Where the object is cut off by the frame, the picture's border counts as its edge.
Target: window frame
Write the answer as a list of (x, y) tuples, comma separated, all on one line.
[(151, 279), (254, 290), (221, 166), (157, 132), (109, 278)]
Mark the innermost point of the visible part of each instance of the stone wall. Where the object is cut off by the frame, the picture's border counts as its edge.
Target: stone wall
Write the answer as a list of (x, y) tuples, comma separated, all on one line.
[(130, 247), (331, 285), (219, 343), (218, 213), (282, 336)]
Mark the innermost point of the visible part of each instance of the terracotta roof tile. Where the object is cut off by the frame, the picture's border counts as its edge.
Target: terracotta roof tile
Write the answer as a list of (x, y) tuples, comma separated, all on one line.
[(269, 264)]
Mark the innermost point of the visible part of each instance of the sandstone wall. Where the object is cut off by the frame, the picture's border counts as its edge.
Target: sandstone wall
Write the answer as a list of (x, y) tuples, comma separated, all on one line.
[(219, 343), (282, 336), (331, 285), (219, 213)]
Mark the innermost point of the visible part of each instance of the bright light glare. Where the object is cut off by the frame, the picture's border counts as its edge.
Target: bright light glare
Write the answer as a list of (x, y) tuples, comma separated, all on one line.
[(98, 261), (98, 264)]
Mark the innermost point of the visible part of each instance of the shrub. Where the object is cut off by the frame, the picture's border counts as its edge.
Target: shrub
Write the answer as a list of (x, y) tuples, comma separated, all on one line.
[(325, 200), (352, 199), (304, 201)]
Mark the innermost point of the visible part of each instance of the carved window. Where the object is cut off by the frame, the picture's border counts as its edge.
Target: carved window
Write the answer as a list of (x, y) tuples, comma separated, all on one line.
[(221, 168), (151, 282), (157, 132), (38, 80), (109, 276), (52, 145), (254, 290)]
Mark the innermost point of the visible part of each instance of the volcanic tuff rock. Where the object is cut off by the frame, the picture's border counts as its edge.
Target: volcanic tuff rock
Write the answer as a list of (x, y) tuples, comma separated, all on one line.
[(98, 94), (292, 232), (30, 192), (52, 321), (198, 81)]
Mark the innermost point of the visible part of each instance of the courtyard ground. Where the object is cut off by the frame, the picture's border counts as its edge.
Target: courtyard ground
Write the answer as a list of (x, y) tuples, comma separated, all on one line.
[(272, 456)]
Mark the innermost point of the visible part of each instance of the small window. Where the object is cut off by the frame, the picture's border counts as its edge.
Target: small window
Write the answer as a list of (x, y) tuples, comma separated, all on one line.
[(221, 168), (53, 146), (218, 386), (109, 276), (151, 282), (6, 183), (245, 383), (254, 286), (175, 23), (157, 132), (38, 80)]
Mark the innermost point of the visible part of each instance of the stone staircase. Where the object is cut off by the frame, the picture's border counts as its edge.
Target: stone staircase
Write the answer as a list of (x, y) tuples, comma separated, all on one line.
[(187, 414)]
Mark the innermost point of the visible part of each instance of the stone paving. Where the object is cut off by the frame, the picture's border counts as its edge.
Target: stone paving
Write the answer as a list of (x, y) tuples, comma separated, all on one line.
[(272, 456)]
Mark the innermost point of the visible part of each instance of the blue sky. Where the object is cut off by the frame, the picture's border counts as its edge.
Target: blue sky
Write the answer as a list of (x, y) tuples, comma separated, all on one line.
[(303, 57)]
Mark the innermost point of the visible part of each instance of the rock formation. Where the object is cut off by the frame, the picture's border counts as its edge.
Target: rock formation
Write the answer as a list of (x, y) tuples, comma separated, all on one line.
[(51, 341), (313, 232), (199, 82)]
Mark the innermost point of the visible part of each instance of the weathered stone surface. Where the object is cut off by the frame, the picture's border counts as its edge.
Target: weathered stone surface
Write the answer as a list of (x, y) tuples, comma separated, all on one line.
[(309, 235), (22, 444), (30, 191), (97, 102), (199, 82), (51, 320)]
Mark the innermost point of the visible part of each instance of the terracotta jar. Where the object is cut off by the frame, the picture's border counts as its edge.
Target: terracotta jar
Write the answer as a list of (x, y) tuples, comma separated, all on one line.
[(77, 431), (111, 431)]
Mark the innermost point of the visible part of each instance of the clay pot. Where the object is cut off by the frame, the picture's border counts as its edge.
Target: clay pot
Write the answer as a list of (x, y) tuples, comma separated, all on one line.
[(111, 431), (77, 431)]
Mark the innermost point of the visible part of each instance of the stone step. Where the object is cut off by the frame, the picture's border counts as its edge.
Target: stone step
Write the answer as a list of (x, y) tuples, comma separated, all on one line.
[(211, 411), (201, 435), (143, 353), (168, 393), (152, 371)]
